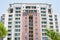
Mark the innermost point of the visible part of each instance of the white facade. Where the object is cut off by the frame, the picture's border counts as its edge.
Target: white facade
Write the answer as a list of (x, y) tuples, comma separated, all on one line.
[(14, 18)]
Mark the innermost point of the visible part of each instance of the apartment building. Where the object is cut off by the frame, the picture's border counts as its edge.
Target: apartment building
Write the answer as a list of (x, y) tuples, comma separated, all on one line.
[(28, 21)]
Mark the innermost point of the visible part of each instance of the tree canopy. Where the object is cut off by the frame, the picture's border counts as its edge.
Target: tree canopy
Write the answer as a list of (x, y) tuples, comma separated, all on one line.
[(54, 35), (3, 30)]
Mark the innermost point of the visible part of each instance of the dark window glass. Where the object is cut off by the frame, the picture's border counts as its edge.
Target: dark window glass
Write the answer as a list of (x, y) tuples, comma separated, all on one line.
[(9, 26), (9, 34), (10, 15), (51, 22), (11, 10), (43, 11), (43, 18), (55, 19), (17, 30), (17, 26), (49, 10), (43, 30), (17, 38), (51, 19), (51, 26), (50, 15), (55, 15), (43, 8), (18, 11), (9, 22), (27, 6), (17, 14), (34, 7), (17, 18), (9, 30), (17, 22), (10, 19), (56, 26), (44, 22), (18, 8), (8, 38), (43, 26), (17, 34), (43, 14)]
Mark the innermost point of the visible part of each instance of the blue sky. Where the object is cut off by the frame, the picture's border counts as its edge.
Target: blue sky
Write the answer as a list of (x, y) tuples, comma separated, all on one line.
[(5, 3)]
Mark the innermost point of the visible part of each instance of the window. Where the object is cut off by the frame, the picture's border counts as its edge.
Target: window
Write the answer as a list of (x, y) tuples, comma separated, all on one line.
[(43, 8), (25, 25), (51, 19), (30, 28), (9, 26), (11, 10), (43, 14), (30, 35), (35, 17), (9, 22), (30, 11), (18, 11), (30, 31), (51, 23), (8, 38), (26, 10), (10, 15), (51, 26), (43, 22), (17, 14), (49, 10), (36, 30), (43, 30), (17, 18), (43, 11), (36, 38), (17, 30), (43, 34), (10, 19), (18, 8), (3, 18), (17, 38), (56, 22), (55, 15), (50, 15), (35, 11), (55, 19), (27, 7), (30, 24), (56, 26), (17, 22), (35, 21), (9, 30), (25, 17), (9, 34), (33, 7), (17, 26), (43, 18), (43, 26), (17, 34), (3, 15), (45, 38)]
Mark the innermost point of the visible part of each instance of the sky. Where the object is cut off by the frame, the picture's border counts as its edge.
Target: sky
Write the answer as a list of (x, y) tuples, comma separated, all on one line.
[(55, 4)]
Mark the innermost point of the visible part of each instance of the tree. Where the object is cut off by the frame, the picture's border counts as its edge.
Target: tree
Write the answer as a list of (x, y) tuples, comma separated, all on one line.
[(3, 30), (53, 34)]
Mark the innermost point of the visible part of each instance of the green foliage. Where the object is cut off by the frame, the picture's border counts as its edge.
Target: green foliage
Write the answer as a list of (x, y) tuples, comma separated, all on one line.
[(53, 34), (3, 30)]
